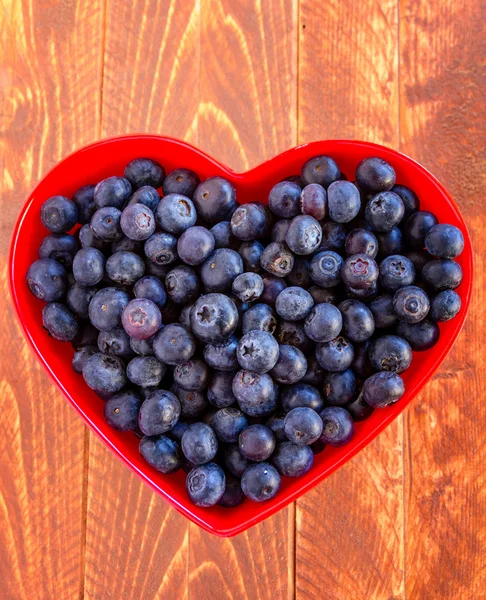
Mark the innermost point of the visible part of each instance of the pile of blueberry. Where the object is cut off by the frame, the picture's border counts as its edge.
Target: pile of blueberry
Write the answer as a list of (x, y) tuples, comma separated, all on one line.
[(239, 340)]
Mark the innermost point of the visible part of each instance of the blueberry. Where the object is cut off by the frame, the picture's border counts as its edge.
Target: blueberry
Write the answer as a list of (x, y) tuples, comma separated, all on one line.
[(358, 321), (193, 404), (340, 388), (124, 268), (105, 224), (181, 181), (295, 179), (293, 333), (206, 484), (260, 482), (382, 310), (323, 323), (276, 424), (47, 279), (315, 374), (409, 198), (255, 393), (121, 411), (343, 201), (390, 242), (396, 271), (325, 268), (320, 169), (283, 199), (142, 347), (220, 391), (175, 213), (375, 175), (419, 258), (300, 274), (416, 228), (411, 304), (162, 453), (87, 336), (59, 214), (116, 343), (421, 336), (228, 423), (390, 353), (294, 303), (442, 274), (256, 442), (182, 284), (146, 195), (250, 253), (141, 318), (257, 351), (199, 443), (336, 355), (152, 288), (81, 356), (89, 266), (358, 408), (382, 389), (137, 222), (222, 356), (272, 286), (192, 375), (445, 306), (59, 246), (178, 430), (106, 307), (145, 371), (301, 395), (233, 494), (144, 171), (361, 364), (361, 241), (159, 412), (313, 201), (248, 287), (249, 222), (333, 236), (291, 365), (104, 374), (302, 426), (304, 235), (161, 248), (223, 236), (112, 192), (277, 259), (84, 200), (214, 318), (185, 315), (384, 211), (279, 230), (234, 461), (126, 245), (59, 321), (292, 460), (88, 239), (359, 271), (220, 269), (338, 426), (215, 199), (195, 245)]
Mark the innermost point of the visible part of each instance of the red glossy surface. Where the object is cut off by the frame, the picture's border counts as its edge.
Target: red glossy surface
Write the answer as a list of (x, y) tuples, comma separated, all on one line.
[(109, 157)]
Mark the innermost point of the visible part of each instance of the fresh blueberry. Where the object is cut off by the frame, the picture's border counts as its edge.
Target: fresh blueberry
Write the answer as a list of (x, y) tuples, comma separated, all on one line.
[(142, 347), (206, 484), (228, 423), (137, 222), (290, 367), (61, 247), (234, 461), (126, 245), (301, 395), (125, 268), (233, 494), (421, 336), (159, 412), (105, 224), (382, 389), (338, 426), (104, 374), (384, 211), (81, 356), (283, 199), (276, 424), (320, 169), (343, 201), (294, 303), (260, 482), (220, 269), (272, 286), (409, 198), (88, 239), (161, 248), (214, 318), (84, 200), (419, 258), (257, 351), (339, 388), (390, 242), (390, 353), (106, 307), (112, 192), (144, 171), (442, 274), (181, 181), (152, 288), (145, 371), (59, 214), (325, 268), (335, 355), (333, 236), (220, 391), (323, 323), (279, 230), (293, 333), (222, 356), (223, 236), (358, 321), (445, 306), (249, 222), (89, 266), (146, 195), (47, 279), (195, 245), (141, 318), (292, 460), (359, 271), (302, 426), (295, 179), (250, 253), (396, 271), (178, 430), (121, 411), (358, 408), (313, 201), (182, 284), (300, 274), (248, 287), (162, 453), (255, 393), (115, 342), (382, 310), (416, 228), (199, 443), (304, 235), (193, 404), (411, 304), (175, 213), (315, 373), (256, 442), (277, 259), (59, 321), (361, 364), (375, 175), (215, 199), (361, 241)]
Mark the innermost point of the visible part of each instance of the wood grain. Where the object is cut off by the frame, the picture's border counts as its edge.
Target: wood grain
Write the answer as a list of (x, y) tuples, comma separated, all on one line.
[(443, 85), (49, 77), (349, 541), (246, 115)]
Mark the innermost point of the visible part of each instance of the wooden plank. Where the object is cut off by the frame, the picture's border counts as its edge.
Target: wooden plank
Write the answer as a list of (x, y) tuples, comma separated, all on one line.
[(149, 84), (349, 529), (247, 114), (443, 115), (49, 75)]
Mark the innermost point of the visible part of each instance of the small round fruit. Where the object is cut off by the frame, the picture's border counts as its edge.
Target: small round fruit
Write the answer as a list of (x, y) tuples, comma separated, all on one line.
[(339, 388), (359, 271), (215, 199), (175, 213), (125, 268), (260, 482), (390, 353), (417, 227), (234, 461), (59, 214), (192, 376), (223, 237), (292, 460), (104, 374), (411, 304), (222, 356), (144, 171), (88, 266), (382, 389), (442, 274), (338, 426), (145, 371), (277, 259), (105, 224), (409, 198), (257, 351), (396, 271), (206, 484), (152, 288), (251, 252), (320, 169), (249, 222), (382, 310), (106, 307), (228, 423), (112, 192), (384, 211), (303, 426), (445, 306), (60, 322), (84, 200), (141, 318), (220, 269), (375, 175), (259, 317), (195, 245), (335, 355), (159, 412), (359, 409), (333, 236), (301, 395), (313, 201), (272, 286), (255, 393), (248, 287), (358, 321), (256, 442), (161, 248), (81, 356), (283, 199), (323, 323), (181, 181), (304, 235), (421, 336), (233, 494), (137, 222), (290, 367), (343, 201), (199, 444), (294, 303), (61, 247), (47, 279), (121, 411), (182, 284), (220, 390), (115, 342), (161, 453), (174, 344), (390, 242), (146, 195), (293, 334), (279, 230), (325, 268), (214, 318), (361, 241)]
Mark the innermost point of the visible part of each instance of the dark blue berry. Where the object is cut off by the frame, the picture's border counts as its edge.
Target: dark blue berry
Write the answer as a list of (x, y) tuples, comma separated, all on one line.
[(300, 274), (81, 356), (250, 253), (84, 200), (292, 460), (442, 274), (248, 287), (276, 424), (409, 198), (323, 323), (195, 245), (115, 342), (193, 404), (137, 222), (293, 333), (301, 395), (249, 222), (382, 389), (182, 284), (220, 269), (106, 307), (343, 201), (390, 353), (47, 279), (421, 336), (396, 271), (113, 192), (358, 321), (259, 317), (338, 426), (88, 239), (256, 442), (89, 266), (59, 214), (294, 303), (199, 443), (161, 248), (142, 347), (419, 258), (181, 181), (313, 201), (220, 389), (141, 318), (359, 409), (361, 241), (315, 373), (375, 175), (384, 211), (145, 371), (302, 426), (222, 356), (152, 288), (124, 268), (304, 235), (215, 199), (104, 374), (339, 388), (390, 242), (335, 355), (144, 171), (290, 367), (382, 310), (59, 321), (411, 304), (192, 375), (333, 236), (214, 318), (234, 461), (277, 259), (61, 247), (416, 228), (121, 411), (223, 236), (257, 351), (361, 364), (161, 453), (260, 482), (228, 423), (206, 484), (279, 230), (325, 268), (272, 286), (146, 195), (233, 494), (159, 412), (126, 245), (178, 430), (295, 179), (255, 393), (105, 224), (283, 199), (359, 271), (445, 306), (320, 169), (175, 213)]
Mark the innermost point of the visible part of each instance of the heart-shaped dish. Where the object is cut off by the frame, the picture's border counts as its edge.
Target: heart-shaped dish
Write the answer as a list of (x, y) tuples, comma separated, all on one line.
[(109, 157)]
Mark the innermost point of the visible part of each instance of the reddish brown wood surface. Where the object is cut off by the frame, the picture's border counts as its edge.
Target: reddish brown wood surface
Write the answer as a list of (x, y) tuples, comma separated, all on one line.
[(405, 519)]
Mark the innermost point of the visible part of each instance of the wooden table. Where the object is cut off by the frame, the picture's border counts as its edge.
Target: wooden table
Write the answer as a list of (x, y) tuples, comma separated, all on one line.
[(243, 80)]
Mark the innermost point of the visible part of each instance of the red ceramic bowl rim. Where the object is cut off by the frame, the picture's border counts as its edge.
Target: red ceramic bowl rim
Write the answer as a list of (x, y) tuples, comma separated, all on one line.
[(318, 475)]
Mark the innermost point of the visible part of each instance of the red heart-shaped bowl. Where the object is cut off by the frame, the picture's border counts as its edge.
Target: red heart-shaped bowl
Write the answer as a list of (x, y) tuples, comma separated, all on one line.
[(109, 157)]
